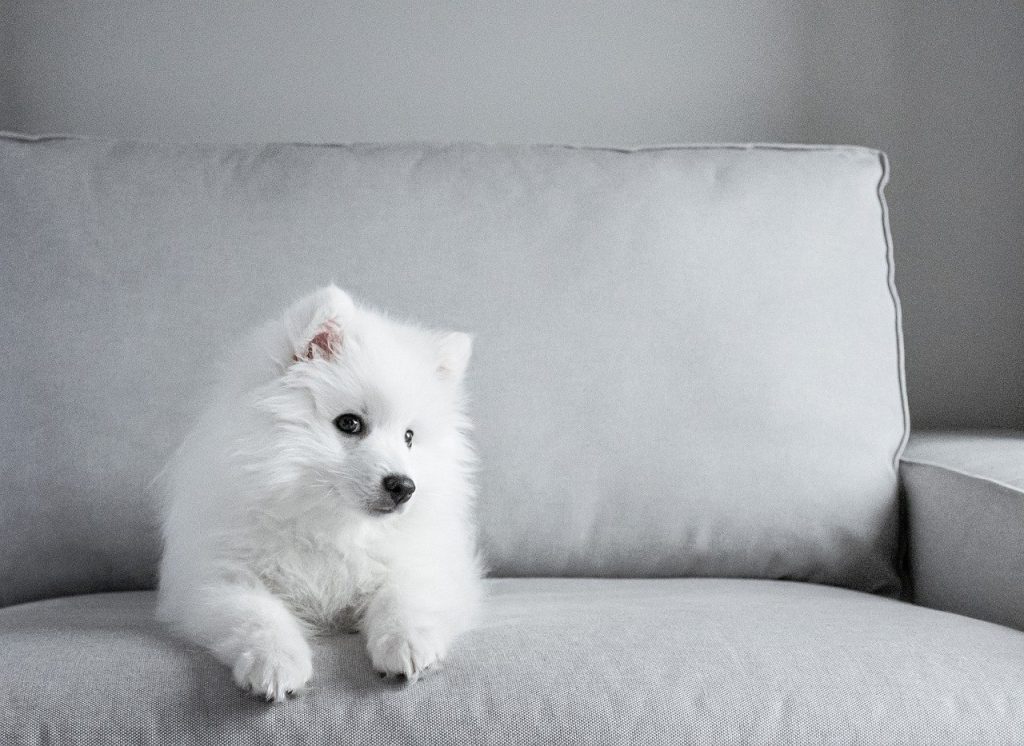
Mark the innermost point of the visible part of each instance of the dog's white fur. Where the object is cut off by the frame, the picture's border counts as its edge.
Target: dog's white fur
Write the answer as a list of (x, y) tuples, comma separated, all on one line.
[(271, 527)]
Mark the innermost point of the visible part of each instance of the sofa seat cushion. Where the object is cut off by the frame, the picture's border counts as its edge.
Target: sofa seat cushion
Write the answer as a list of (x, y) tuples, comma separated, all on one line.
[(554, 661)]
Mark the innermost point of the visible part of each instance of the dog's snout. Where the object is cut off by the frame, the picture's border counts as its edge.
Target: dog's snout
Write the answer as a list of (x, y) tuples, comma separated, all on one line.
[(399, 486)]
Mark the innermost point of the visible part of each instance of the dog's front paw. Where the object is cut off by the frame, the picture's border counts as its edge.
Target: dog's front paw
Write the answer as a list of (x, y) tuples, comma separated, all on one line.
[(276, 673), (409, 654)]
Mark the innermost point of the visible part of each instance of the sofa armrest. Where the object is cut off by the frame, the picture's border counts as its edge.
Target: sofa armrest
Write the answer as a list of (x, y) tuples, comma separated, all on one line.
[(965, 513)]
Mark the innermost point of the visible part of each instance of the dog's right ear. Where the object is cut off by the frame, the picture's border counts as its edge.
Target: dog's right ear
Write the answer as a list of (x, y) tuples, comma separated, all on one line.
[(454, 349), (315, 324)]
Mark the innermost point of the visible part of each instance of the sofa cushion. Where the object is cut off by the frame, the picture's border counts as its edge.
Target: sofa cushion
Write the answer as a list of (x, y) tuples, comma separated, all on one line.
[(687, 359), (555, 661)]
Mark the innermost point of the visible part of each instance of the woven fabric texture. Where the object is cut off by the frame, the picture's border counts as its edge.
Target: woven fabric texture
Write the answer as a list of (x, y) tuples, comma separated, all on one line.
[(965, 509), (687, 359), (584, 661)]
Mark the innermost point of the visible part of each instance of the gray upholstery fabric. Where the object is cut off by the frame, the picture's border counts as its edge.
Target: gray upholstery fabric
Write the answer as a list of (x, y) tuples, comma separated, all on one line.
[(660, 661), (965, 499), (687, 359)]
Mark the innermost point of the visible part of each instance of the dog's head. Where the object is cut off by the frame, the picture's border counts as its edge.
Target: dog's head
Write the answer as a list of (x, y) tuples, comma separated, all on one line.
[(367, 413)]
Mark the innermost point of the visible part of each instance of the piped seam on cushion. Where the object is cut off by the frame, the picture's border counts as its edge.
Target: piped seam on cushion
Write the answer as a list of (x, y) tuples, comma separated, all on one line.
[(797, 147), (897, 309)]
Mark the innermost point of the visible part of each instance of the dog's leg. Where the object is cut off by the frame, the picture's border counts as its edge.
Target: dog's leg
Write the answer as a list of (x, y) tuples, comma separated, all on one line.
[(252, 632), (411, 621)]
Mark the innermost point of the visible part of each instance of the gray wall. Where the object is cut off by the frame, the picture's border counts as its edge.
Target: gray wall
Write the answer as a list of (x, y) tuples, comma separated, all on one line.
[(941, 89)]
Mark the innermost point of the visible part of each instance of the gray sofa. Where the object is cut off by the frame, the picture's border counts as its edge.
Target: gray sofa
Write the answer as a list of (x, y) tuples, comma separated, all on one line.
[(701, 516)]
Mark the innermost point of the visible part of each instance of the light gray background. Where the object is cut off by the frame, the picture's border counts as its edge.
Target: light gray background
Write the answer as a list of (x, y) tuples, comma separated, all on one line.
[(937, 85)]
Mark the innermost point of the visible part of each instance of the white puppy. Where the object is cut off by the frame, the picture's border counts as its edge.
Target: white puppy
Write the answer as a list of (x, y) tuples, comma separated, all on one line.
[(326, 487)]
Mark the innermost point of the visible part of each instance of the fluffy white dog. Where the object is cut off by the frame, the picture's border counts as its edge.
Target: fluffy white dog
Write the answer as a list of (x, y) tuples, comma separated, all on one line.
[(326, 487)]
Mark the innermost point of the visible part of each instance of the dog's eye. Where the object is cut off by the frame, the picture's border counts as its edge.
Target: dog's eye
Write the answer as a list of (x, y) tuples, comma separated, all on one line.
[(408, 438), (350, 424)]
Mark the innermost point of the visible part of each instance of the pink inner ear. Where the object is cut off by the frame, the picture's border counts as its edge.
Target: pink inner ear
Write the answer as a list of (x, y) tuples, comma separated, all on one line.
[(325, 343)]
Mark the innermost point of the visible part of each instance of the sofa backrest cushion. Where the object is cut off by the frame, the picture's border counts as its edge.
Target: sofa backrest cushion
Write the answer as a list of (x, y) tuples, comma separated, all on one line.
[(687, 359)]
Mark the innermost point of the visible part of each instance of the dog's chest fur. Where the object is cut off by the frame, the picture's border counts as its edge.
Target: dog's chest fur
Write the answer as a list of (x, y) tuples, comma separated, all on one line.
[(326, 584)]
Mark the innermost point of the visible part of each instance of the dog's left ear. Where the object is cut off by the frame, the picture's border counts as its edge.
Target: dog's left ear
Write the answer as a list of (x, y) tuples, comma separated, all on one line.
[(324, 342), (315, 324), (454, 350)]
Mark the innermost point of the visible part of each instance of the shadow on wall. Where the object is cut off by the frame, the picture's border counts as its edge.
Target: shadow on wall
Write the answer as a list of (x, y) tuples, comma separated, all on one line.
[(937, 85)]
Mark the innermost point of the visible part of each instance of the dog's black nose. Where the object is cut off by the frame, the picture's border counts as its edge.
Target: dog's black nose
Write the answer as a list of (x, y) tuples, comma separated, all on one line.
[(399, 486)]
